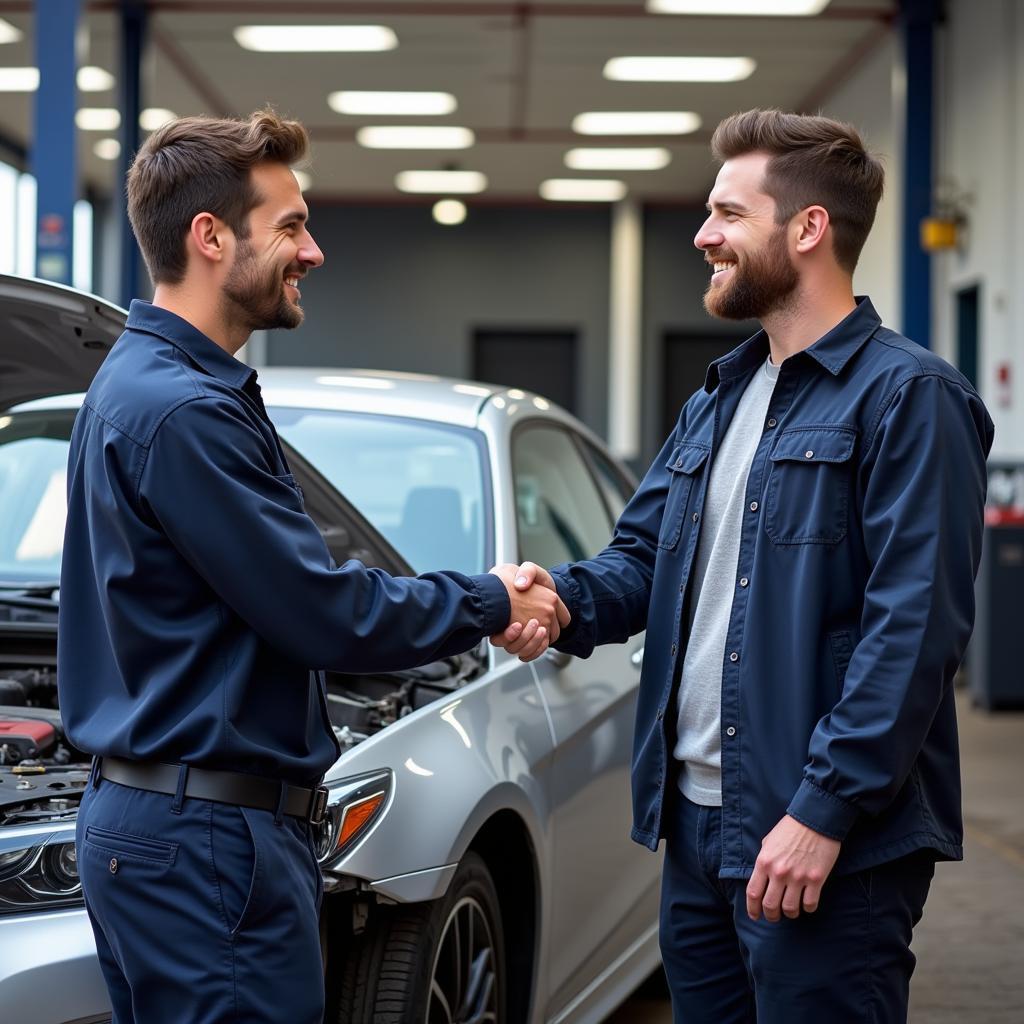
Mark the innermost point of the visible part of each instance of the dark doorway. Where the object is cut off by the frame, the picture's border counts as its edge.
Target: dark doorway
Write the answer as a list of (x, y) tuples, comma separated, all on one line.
[(685, 360), (968, 301), (540, 361)]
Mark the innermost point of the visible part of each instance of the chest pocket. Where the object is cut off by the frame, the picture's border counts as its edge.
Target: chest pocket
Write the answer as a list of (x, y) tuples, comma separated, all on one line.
[(684, 466), (808, 495)]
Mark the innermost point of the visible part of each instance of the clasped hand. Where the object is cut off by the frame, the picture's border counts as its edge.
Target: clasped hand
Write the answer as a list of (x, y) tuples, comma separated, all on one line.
[(538, 614)]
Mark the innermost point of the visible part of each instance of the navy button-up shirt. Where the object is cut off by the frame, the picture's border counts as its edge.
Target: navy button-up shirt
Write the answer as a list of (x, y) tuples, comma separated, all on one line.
[(853, 597), (196, 595)]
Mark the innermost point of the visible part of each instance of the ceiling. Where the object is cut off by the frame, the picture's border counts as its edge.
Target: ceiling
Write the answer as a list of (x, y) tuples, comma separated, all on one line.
[(520, 73)]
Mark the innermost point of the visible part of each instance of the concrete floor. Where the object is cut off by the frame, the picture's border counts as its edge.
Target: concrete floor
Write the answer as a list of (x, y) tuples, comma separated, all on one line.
[(970, 943)]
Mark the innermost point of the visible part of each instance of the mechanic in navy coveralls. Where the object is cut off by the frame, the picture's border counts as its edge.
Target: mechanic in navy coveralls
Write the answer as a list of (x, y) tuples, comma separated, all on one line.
[(802, 554), (196, 595)]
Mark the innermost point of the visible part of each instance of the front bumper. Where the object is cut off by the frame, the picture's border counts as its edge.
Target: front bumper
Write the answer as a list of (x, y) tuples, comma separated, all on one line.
[(49, 973)]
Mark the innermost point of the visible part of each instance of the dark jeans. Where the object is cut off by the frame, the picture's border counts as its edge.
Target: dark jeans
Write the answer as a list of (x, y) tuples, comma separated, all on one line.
[(850, 961), (207, 916)]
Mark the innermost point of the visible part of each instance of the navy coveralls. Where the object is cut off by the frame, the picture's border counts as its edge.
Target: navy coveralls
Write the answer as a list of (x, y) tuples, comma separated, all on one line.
[(853, 603), (196, 595)]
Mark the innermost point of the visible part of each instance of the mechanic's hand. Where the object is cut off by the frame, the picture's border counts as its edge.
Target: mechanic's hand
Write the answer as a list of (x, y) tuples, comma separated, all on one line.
[(790, 870), (538, 615)]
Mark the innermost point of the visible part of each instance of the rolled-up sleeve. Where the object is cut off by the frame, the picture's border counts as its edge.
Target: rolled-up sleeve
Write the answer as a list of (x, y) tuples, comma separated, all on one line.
[(207, 484)]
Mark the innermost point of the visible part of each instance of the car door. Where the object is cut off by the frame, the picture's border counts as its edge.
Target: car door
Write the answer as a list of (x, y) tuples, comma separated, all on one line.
[(603, 883)]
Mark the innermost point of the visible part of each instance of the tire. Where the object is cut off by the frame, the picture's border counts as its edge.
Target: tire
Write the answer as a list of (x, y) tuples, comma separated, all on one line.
[(413, 965)]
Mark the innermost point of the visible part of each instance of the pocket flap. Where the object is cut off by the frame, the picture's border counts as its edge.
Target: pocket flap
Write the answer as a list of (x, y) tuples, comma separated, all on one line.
[(815, 444), (687, 458)]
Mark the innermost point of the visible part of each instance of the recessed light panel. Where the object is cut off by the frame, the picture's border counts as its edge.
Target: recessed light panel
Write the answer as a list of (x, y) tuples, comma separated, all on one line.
[(8, 33), (449, 212), (580, 190), (750, 7), (93, 79), (415, 137), (403, 104), (155, 117), (636, 122), (679, 69), (617, 159), (315, 38), (98, 119), (440, 182), (107, 149), (19, 79)]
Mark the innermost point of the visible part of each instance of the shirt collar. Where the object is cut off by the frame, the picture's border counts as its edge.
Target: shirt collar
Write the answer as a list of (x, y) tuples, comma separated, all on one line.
[(144, 316), (832, 351)]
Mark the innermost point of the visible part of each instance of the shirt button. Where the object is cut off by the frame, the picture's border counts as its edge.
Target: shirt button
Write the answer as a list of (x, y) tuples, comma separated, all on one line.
[(731, 731), (753, 506), (696, 516), (673, 650), (679, 463), (661, 714), (734, 656), (808, 454), (744, 581), (113, 865), (773, 422)]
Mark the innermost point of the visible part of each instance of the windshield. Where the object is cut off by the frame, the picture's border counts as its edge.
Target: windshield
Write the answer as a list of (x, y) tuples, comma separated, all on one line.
[(420, 484)]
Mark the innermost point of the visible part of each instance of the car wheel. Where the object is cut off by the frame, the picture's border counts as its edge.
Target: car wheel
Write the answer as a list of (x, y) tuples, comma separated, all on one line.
[(441, 962)]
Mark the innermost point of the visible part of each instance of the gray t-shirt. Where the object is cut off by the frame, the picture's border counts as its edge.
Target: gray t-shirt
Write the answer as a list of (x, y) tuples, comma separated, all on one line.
[(699, 745)]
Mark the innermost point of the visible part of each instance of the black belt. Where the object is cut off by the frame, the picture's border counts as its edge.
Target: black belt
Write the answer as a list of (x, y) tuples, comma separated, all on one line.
[(222, 787)]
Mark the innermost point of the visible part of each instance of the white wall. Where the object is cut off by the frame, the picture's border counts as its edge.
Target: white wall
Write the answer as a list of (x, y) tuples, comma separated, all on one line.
[(868, 100), (981, 149)]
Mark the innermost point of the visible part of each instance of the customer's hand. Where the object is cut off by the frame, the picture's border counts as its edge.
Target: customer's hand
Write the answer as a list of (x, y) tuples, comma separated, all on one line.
[(790, 870), (538, 614)]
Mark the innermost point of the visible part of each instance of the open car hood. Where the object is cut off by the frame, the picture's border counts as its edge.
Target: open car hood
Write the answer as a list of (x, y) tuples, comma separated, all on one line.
[(52, 338)]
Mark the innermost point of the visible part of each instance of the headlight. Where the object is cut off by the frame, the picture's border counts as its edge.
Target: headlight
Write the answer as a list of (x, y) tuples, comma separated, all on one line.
[(38, 871), (354, 805)]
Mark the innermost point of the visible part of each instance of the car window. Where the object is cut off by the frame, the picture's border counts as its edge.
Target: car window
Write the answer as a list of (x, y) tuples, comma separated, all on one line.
[(559, 510), (420, 484), (614, 486)]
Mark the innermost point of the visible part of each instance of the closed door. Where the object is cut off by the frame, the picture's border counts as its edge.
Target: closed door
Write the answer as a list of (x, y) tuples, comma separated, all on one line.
[(540, 361), (686, 357)]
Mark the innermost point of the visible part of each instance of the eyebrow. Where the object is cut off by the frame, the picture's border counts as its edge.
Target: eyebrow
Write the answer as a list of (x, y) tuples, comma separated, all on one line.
[(727, 205), (298, 215)]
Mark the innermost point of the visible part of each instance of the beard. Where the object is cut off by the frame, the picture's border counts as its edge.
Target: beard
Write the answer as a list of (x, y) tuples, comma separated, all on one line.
[(257, 293), (760, 285)]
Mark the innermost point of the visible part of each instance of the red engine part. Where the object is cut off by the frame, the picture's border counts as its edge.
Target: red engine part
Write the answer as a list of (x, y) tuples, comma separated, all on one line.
[(26, 738)]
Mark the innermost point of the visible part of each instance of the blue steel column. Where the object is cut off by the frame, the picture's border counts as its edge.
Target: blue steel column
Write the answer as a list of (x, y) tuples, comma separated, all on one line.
[(54, 139), (133, 39), (917, 23)]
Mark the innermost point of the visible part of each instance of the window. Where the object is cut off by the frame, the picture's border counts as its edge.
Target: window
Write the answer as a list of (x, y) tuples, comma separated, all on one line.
[(616, 489)]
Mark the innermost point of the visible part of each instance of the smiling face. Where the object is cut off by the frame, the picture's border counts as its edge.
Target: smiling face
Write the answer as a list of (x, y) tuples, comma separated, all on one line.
[(752, 270), (261, 288)]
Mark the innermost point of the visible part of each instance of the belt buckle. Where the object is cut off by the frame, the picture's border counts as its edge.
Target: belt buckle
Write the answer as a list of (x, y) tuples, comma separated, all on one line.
[(318, 807)]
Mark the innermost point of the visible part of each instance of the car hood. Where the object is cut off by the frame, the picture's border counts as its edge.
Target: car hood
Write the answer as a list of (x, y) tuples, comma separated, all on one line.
[(52, 338)]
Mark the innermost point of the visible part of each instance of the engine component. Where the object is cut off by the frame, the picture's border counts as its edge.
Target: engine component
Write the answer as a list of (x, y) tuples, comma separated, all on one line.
[(21, 739), (12, 693)]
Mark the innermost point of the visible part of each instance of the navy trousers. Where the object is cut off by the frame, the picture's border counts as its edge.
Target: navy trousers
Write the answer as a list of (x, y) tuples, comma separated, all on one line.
[(849, 961), (203, 912)]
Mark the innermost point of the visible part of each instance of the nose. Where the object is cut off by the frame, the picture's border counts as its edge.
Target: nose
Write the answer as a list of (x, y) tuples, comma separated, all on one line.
[(708, 235), (309, 253)]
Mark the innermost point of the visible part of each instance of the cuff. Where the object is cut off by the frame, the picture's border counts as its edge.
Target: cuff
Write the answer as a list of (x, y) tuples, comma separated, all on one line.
[(818, 809), (494, 602)]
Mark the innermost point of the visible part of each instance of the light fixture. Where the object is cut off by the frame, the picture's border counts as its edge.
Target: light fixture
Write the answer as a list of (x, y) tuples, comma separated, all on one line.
[(582, 190), (636, 122), (452, 182), (155, 117), (19, 79), (315, 38), (93, 79), (679, 69), (406, 104), (415, 137), (107, 149), (449, 212), (98, 119), (8, 33), (793, 8), (304, 178), (652, 159)]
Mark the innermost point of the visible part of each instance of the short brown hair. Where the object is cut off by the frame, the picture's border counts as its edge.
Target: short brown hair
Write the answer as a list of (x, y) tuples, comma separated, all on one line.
[(201, 164), (815, 161)]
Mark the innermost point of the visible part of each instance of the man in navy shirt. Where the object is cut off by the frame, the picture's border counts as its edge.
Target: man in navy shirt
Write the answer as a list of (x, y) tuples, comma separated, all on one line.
[(196, 595), (802, 554)]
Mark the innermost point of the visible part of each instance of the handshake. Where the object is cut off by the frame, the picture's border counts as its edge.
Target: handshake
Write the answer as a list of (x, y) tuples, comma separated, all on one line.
[(538, 614)]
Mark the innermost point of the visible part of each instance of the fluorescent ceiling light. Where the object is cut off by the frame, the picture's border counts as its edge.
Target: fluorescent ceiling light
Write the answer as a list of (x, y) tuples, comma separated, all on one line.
[(580, 190), (415, 137), (753, 7), (8, 33), (617, 159), (19, 79), (98, 119), (679, 69), (636, 122), (449, 211), (107, 149), (315, 38), (453, 182), (155, 117), (304, 178), (93, 79), (371, 104)]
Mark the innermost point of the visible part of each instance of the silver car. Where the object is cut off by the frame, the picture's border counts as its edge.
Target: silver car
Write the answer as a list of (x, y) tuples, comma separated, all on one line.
[(476, 853)]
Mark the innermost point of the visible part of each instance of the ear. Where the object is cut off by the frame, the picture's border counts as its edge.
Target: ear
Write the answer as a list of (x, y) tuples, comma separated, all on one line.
[(811, 226), (209, 237)]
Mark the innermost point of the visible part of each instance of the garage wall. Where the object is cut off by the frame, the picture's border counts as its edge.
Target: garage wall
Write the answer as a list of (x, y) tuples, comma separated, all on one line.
[(981, 151)]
